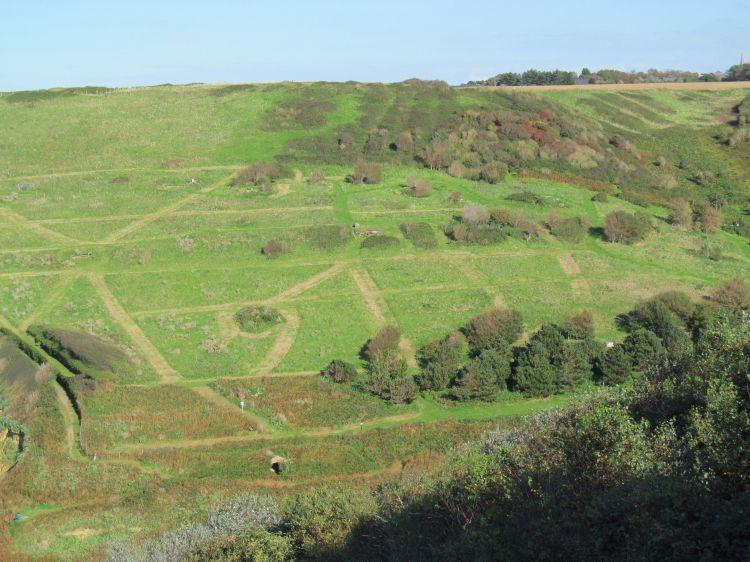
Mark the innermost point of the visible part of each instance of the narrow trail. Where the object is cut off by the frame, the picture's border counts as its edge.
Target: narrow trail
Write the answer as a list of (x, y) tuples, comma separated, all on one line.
[(378, 307), (369, 293), (276, 436), (157, 361), (217, 399), (70, 420), (147, 219), (228, 167), (65, 282), (306, 285), (581, 289), (228, 328), (282, 345), (23, 222), (568, 264)]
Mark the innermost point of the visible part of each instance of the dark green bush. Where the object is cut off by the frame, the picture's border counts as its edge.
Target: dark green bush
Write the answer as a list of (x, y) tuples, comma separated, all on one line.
[(258, 318), (340, 371)]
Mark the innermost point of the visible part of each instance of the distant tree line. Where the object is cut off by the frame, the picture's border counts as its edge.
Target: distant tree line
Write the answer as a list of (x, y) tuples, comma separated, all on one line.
[(534, 77)]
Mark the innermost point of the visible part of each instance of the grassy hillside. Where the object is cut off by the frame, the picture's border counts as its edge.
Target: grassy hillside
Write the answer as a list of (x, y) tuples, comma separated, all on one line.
[(127, 248)]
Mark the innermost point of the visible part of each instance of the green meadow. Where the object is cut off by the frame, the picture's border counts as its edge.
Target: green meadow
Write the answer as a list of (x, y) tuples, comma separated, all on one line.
[(133, 233)]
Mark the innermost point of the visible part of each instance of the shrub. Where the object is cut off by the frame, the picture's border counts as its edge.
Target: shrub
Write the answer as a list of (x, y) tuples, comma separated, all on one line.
[(379, 241), (272, 249), (503, 322), (346, 141), (456, 169), (258, 173), (316, 177), (404, 142), (252, 545), (320, 521), (579, 326), (257, 318), (626, 228), (572, 229), (600, 197), (455, 197), (386, 340), (680, 213), (493, 172), (707, 219), (526, 197), (420, 234), (474, 213), (365, 172), (377, 140), (422, 188), (504, 217), (340, 371), (734, 295)]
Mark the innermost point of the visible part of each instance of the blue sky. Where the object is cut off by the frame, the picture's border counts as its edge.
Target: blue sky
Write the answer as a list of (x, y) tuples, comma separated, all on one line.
[(123, 43)]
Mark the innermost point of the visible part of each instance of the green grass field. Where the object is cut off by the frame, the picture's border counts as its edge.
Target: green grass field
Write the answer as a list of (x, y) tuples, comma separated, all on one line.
[(156, 257)]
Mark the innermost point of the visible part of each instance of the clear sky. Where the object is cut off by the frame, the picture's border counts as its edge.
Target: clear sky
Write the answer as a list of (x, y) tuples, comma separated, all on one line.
[(46, 43)]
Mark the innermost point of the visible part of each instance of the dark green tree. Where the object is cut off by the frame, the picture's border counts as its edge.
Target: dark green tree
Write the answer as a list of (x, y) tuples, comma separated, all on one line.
[(534, 375), (645, 350), (615, 366), (479, 380)]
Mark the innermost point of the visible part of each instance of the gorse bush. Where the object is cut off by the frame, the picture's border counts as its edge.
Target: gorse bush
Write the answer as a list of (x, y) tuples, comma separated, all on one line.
[(258, 318), (232, 518), (340, 371), (626, 228)]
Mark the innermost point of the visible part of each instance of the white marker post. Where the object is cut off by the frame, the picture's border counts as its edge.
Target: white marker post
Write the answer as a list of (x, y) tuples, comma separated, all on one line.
[(242, 405)]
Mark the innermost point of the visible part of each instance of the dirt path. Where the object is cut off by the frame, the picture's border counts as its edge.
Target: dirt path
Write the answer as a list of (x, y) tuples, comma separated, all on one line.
[(228, 328), (315, 433), (217, 399), (70, 420), (282, 345), (377, 305), (370, 293), (74, 173), (581, 289), (306, 285), (157, 361), (465, 268), (568, 264), (52, 299), (22, 221), (156, 215)]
